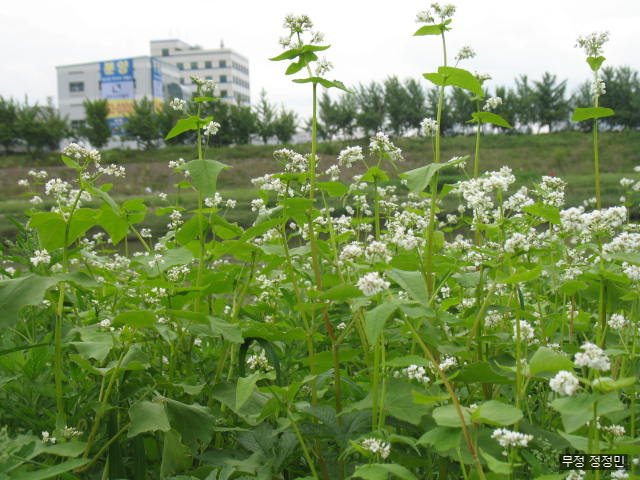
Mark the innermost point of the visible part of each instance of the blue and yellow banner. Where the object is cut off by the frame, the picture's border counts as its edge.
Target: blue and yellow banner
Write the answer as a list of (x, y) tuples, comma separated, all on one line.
[(117, 85)]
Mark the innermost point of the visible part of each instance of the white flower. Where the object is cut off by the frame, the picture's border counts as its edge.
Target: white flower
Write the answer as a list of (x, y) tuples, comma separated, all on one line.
[(177, 104), (464, 53), (448, 362), (598, 88), (323, 66), (429, 127), (381, 143), (211, 128), (349, 156), (619, 475), (517, 242), (341, 326), (492, 103), (79, 153), (507, 438), (576, 475), (564, 383), (592, 43), (231, 203), (259, 362), (615, 430), (527, 332), (617, 321), (46, 438), (593, 357), (372, 284), (376, 446), (36, 200), (40, 256)]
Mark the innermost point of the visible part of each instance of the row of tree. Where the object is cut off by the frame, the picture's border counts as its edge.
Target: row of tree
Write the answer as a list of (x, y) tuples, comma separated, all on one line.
[(529, 106), (391, 105)]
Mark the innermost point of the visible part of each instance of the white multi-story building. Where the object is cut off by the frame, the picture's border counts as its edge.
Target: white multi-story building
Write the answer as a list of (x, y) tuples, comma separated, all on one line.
[(121, 82), (227, 68)]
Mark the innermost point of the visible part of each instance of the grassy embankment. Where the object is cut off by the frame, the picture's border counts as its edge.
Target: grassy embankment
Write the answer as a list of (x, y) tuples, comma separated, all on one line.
[(566, 154)]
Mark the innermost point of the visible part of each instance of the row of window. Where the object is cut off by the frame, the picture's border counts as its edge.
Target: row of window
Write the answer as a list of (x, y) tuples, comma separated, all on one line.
[(240, 67), (207, 64), (241, 82), (75, 87)]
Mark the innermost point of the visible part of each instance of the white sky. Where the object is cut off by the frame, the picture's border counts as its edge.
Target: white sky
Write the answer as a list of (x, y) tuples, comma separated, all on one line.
[(371, 39)]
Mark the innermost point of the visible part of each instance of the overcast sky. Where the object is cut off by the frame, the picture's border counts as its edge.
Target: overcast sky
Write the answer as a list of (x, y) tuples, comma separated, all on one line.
[(370, 39)]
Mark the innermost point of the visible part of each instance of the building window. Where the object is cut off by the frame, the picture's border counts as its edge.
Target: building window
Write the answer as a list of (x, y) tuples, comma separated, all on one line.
[(76, 86), (207, 64), (182, 81), (208, 77), (194, 65), (76, 124), (165, 52), (180, 66), (223, 93), (223, 79), (222, 63)]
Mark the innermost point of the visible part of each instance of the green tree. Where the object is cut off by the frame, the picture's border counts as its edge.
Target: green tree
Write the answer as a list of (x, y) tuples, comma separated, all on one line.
[(285, 125), (265, 117), (415, 112), (328, 115), (142, 125), (551, 108), (509, 108), (41, 127), (371, 109), (446, 118), (525, 101), (242, 123), (8, 118), (623, 96), (396, 103), (96, 127), (461, 109), (347, 111)]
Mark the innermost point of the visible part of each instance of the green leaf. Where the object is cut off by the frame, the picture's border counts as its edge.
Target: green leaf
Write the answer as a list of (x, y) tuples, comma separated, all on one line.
[(462, 78), (443, 438), (50, 472), (419, 178), (580, 114), (523, 276), (51, 226), (66, 449), (435, 78), (17, 293), (183, 125), (447, 416), (547, 360), (493, 118), (116, 226), (575, 410), (204, 175), (295, 67), (224, 229), (413, 283), (547, 212), (579, 443), (572, 286), (380, 471), (494, 464), (493, 412), (374, 174), (481, 372), (341, 293), (147, 417), (70, 162), (333, 189), (246, 386), (194, 422), (288, 55), (324, 82), (608, 384), (176, 457), (228, 331), (136, 319), (432, 29), (95, 350), (423, 399), (375, 320), (595, 62)]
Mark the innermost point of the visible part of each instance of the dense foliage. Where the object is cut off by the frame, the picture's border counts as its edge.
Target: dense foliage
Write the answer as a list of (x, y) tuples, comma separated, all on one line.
[(353, 331)]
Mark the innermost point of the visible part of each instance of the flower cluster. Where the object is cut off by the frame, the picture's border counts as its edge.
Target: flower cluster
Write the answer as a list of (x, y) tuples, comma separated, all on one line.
[(372, 284), (592, 43), (592, 357), (507, 438), (259, 362), (429, 127), (380, 143), (413, 372), (564, 383), (376, 446)]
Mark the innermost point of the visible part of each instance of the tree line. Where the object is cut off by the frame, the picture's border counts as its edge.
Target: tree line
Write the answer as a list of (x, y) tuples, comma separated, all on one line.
[(392, 105)]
